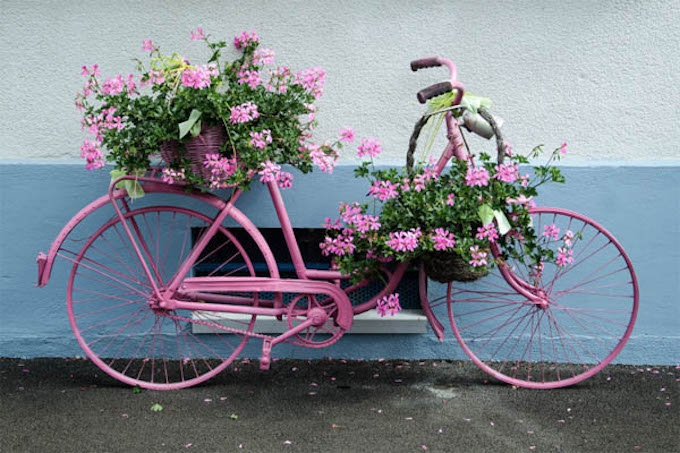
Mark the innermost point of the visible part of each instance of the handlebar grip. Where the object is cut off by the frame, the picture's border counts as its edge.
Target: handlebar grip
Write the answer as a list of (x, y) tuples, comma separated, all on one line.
[(434, 90), (428, 62)]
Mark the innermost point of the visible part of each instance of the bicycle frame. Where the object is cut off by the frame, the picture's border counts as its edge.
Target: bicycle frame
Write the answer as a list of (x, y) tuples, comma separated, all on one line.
[(129, 317)]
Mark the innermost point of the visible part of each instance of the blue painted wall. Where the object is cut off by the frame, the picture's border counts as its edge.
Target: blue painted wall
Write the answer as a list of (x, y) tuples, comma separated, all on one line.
[(640, 205)]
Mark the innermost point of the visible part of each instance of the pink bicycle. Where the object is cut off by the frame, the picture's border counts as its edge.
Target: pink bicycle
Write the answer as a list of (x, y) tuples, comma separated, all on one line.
[(164, 292)]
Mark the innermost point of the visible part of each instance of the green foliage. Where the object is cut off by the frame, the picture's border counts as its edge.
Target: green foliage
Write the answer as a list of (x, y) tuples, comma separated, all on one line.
[(131, 120), (424, 202)]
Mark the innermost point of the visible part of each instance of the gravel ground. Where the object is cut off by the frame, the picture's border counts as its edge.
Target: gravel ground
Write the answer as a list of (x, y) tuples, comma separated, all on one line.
[(69, 405)]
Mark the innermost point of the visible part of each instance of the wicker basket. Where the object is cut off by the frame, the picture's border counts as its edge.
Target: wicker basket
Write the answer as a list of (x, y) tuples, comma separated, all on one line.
[(445, 267), (208, 141)]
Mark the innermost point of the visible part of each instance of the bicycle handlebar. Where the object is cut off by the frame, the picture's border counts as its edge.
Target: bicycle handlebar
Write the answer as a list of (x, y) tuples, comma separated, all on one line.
[(428, 62), (439, 88), (433, 90)]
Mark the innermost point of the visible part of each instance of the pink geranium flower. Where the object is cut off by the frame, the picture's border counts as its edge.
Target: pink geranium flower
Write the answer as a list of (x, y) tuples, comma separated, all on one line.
[(443, 239), (404, 241), (369, 147), (383, 190), (478, 257), (243, 113), (197, 34), (389, 305), (346, 135), (477, 177)]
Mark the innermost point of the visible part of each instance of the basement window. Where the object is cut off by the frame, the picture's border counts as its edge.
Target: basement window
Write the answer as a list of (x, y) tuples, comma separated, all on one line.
[(409, 320)]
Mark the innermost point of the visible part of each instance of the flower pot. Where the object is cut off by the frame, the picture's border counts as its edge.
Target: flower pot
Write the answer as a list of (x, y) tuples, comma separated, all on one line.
[(209, 141), (445, 267)]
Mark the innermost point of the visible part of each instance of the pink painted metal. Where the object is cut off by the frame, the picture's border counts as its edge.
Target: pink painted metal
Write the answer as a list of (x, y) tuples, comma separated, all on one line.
[(140, 313)]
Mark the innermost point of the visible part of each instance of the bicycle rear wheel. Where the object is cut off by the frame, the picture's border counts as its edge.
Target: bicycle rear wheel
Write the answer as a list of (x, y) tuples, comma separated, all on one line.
[(118, 323), (590, 306)]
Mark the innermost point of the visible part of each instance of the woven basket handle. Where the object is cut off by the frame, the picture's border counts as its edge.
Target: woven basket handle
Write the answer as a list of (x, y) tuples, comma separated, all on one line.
[(413, 141)]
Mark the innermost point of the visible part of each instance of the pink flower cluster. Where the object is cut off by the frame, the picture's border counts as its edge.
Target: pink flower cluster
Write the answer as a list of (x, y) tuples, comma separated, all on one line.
[(551, 231), (404, 241), (353, 216), (107, 119), (369, 147), (478, 257), (250, 77), (243, 113), (565, 255), (271, 172), (522, 200), (443, 239), (260, 140), (312, 80), (488, 232), (263, 56), (221, 168), (170, 175), (507, 173), (92, 154), (341, 245), (421, 179), (116, 85), (278, 79), (383, 190), (325, 157), (199, 76), (355, 221), (241, 41), (197, 34), (346, 135), (88, 72), (388, 305), (155, 77), (349, 212), (477, 177)]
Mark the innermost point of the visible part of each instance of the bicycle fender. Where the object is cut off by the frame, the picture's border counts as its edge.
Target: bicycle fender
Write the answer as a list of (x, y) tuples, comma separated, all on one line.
[(45, 261)]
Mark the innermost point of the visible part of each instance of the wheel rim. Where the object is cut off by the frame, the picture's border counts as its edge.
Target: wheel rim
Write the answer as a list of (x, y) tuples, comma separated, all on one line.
[(586, 314), (118, 323)]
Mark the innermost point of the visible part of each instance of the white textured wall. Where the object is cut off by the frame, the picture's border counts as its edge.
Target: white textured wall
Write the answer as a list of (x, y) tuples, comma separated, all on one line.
[(602, 75)]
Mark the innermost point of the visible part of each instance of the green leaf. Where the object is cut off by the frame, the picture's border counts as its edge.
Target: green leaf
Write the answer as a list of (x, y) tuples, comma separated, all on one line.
[(473, 103), (156, 408), (186, 126), (486, 214), (196, 129), (503, 224)]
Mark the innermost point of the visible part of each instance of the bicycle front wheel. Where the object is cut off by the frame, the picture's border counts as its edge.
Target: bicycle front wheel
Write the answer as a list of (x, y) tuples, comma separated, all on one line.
[(590, 305), (111, 304)]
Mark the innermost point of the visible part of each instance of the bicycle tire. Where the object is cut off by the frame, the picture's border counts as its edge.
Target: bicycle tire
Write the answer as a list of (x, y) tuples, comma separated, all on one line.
[(589, 312), (111, 310)]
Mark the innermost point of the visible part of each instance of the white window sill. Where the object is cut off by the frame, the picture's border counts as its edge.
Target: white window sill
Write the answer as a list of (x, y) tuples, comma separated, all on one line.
[(405, 322)]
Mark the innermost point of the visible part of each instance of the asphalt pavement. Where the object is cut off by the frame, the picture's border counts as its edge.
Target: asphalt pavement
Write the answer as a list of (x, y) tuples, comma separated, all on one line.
[(69, 405)]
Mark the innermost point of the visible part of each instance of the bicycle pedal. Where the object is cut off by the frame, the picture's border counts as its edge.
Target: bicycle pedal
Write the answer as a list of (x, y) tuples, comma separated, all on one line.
[(266, 358)]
